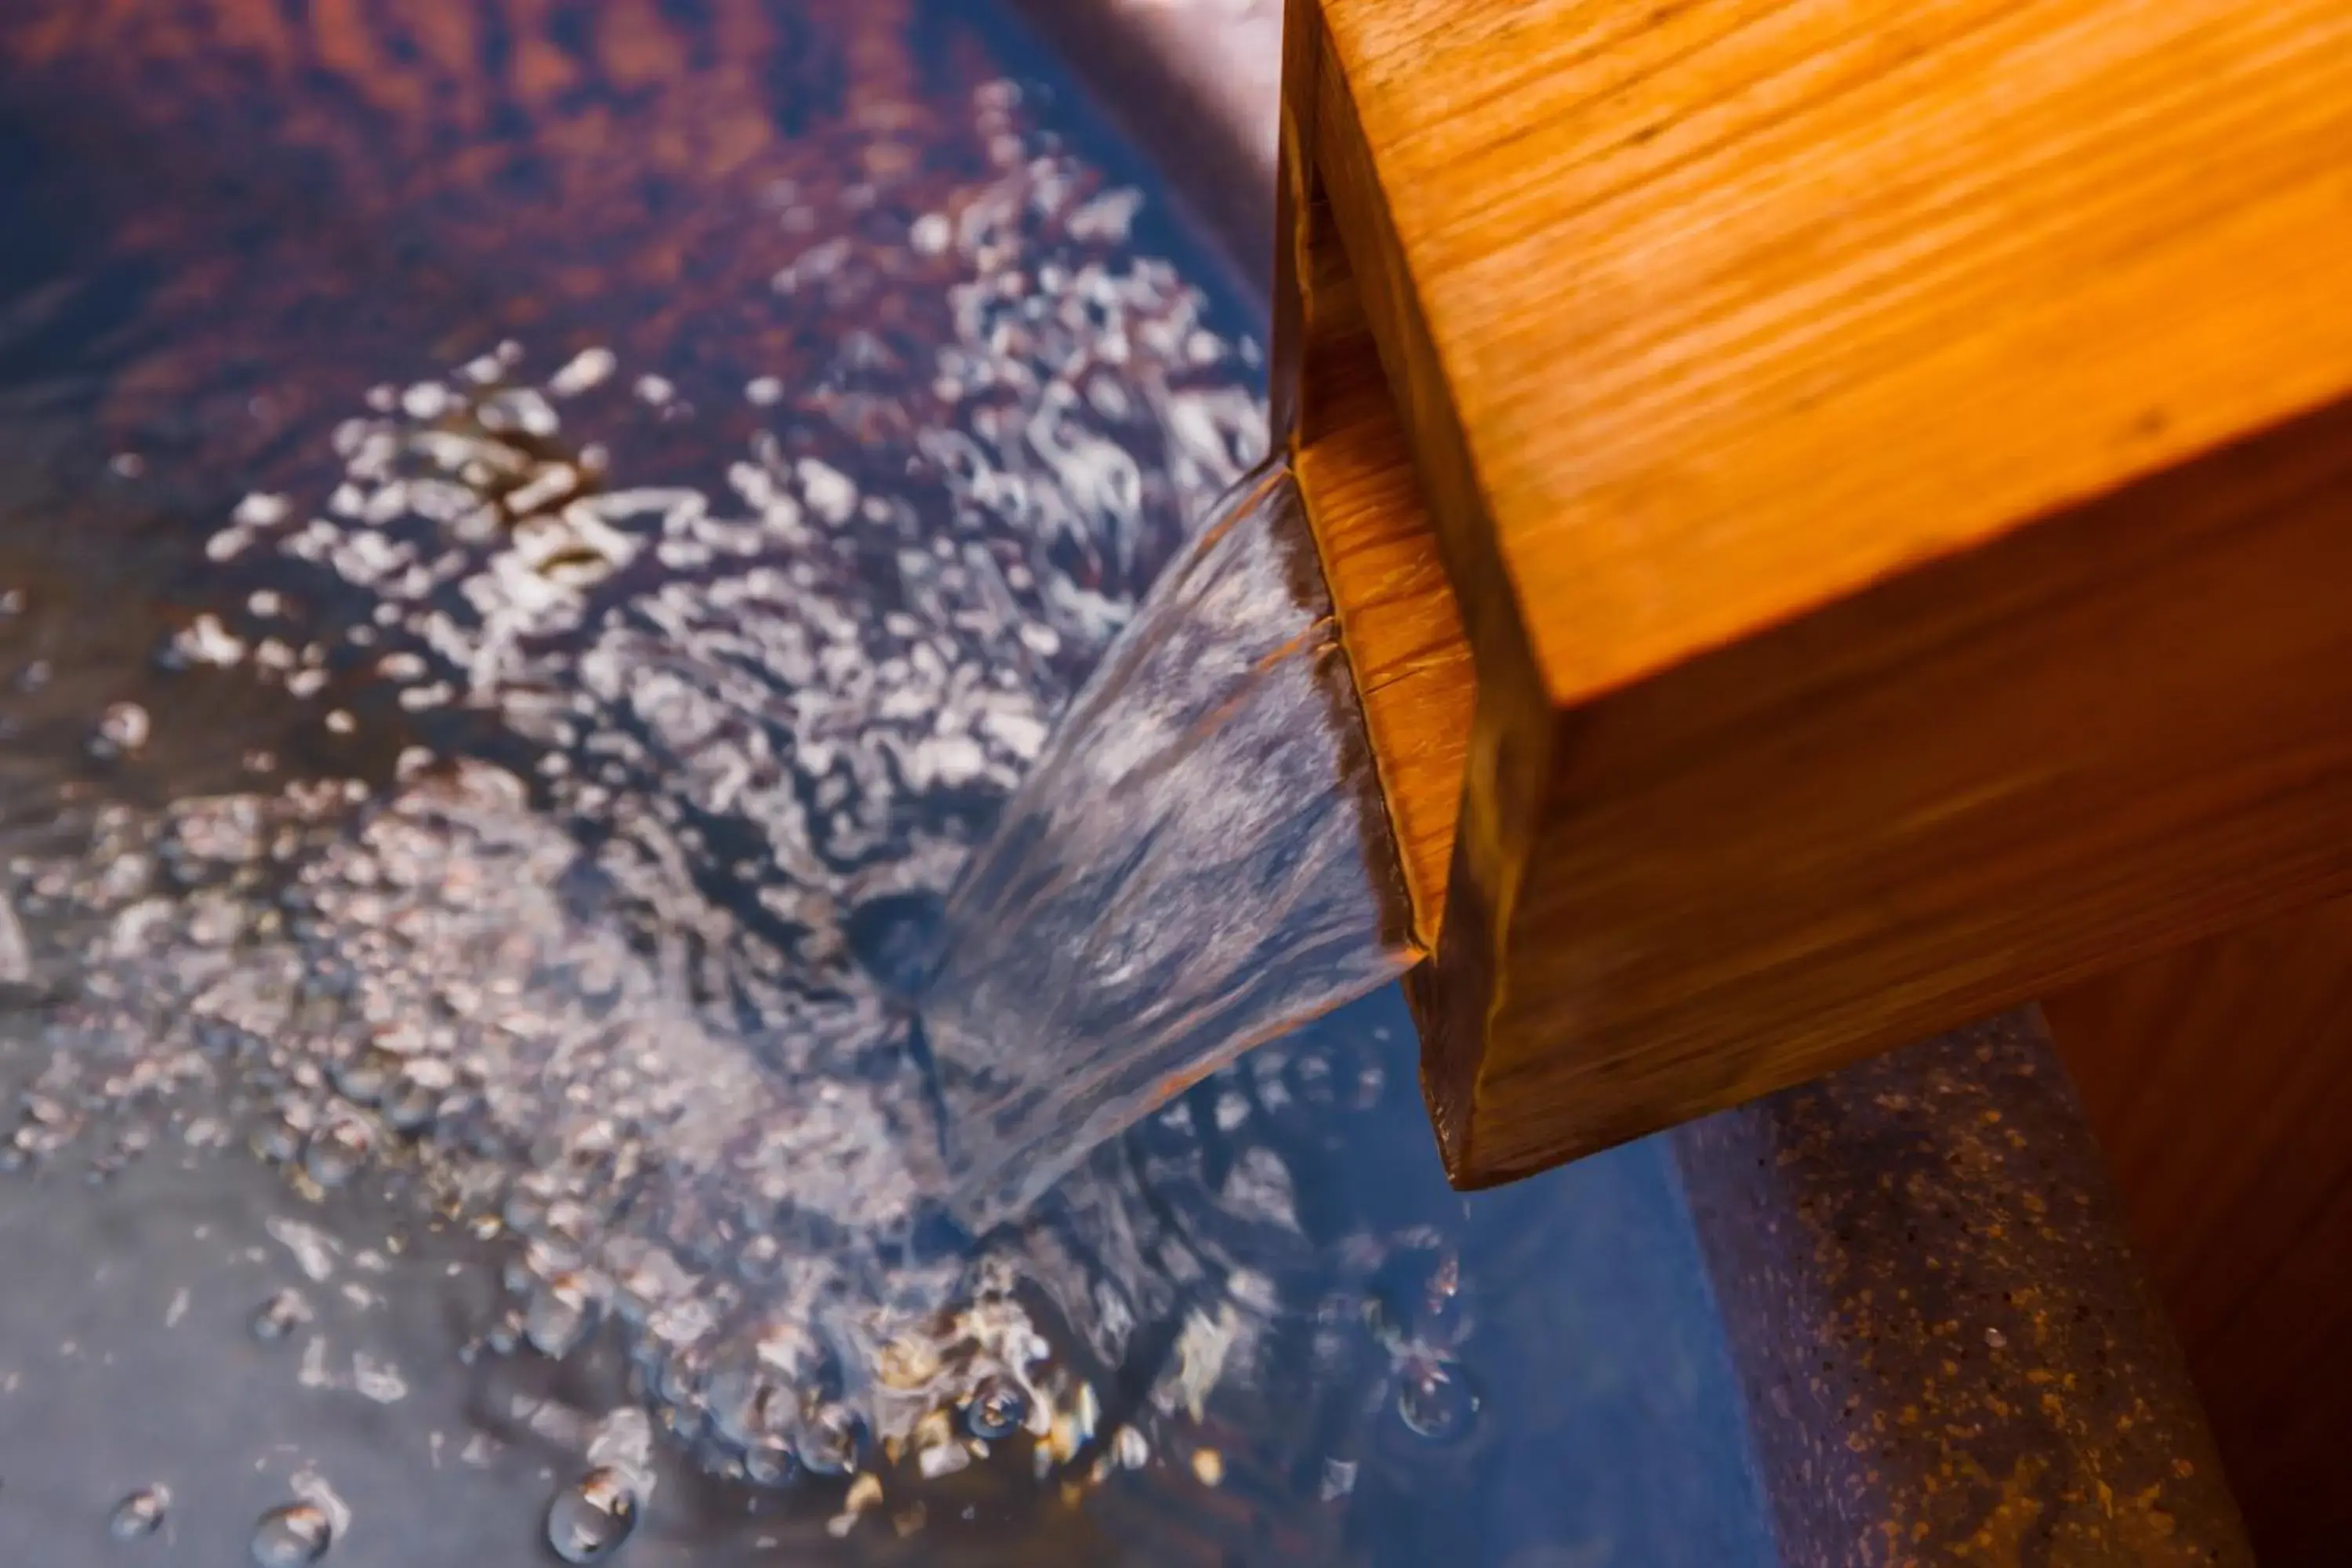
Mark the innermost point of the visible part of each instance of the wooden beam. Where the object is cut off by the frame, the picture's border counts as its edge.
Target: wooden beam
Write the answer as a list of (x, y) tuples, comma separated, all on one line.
[(1894, 466)]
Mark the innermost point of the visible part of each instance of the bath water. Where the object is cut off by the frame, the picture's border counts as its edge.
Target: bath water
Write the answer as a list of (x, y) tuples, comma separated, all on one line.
[(513, 598)]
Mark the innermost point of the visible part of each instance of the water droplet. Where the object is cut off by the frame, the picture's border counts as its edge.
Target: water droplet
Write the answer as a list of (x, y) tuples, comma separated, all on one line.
[(280, 1315), (1417, 1299), (337, 1151), (277, 1144), (770, 1464), (123, 727), (410, 1105), (833, 1442), (997, 1410), (292, 1536), (1437, 1401), (589, 1519), (363, 1078), (558, 1316), (141, 1514)]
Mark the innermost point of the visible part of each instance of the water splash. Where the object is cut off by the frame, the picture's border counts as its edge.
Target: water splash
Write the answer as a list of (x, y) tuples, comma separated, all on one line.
[(293, 1536), (528, 756), (589, 1520), (592, 979), (626, 716), (141, 1514), (1198, 863), (278, 1318)]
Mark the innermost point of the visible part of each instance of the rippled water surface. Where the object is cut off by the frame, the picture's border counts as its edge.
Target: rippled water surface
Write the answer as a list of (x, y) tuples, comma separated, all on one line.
[(526, 561)]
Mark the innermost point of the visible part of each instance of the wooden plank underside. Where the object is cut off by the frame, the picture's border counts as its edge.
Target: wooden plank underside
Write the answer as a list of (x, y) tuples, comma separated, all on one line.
[(1894, 471), (2219, 1079)]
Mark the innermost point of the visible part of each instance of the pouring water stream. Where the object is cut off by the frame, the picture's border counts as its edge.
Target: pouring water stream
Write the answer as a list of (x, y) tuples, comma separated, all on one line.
[(1198, 863)]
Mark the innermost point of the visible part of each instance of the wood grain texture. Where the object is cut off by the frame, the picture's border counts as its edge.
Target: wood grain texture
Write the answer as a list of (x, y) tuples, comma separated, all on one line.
[(1398, 621), (2116, 731), (1891, 461), (2219, 1079), (1743, 305)]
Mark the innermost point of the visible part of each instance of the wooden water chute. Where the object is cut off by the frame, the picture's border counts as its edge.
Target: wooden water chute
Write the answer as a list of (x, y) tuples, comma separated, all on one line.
[(1840, 512)]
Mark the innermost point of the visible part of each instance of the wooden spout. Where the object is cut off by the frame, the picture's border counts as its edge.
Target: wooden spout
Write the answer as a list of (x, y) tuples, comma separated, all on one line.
[(1841, 513)]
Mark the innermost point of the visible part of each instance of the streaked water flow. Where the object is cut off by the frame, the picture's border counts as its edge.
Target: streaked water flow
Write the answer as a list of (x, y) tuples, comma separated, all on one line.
[(1197, 864)]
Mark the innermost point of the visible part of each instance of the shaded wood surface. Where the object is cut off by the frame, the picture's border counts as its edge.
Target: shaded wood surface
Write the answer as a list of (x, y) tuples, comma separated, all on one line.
[(2215, 1079), (1892, 469)]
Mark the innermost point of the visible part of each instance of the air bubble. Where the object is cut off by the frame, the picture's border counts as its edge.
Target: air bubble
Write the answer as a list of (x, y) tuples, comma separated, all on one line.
[(833, 1442), (363, 1079), (277, 1144), (997, 1410), (337, 1151), (589, 1519), (1437, 1401), (141, 1514), (557, 1318), (280, 1316), (411, 1104), (123, 727), (292, 1536), (770, 1464)]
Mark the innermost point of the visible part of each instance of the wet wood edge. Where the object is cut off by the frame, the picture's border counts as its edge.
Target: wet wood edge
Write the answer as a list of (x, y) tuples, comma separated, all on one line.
[(1399, 624), (1211, 69)]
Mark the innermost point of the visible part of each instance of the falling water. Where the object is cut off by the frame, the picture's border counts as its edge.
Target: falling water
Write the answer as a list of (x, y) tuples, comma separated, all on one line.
[(1198, 863)]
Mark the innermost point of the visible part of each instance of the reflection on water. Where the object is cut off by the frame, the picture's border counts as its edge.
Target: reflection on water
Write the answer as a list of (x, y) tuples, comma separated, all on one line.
[(521, 572)]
